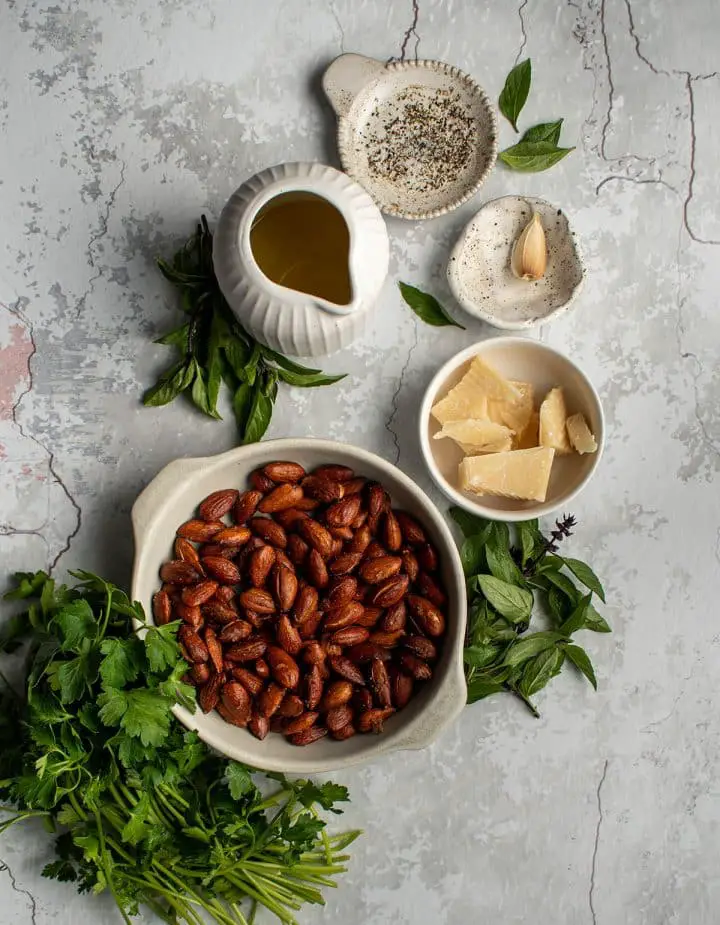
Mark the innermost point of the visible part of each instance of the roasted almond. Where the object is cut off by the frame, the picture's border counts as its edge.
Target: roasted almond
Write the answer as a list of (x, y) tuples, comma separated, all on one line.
[(411, 530), (193, 644), (161, 608), (430, 589), (346, 669), (427, 557), (199, 531), (262, 669), (307, 504), (235, 631), (410, 564), (291, 705), (316, 569), (287, 636), (214, 647), (260, 563), (394, 618), (222, 569), (308, 736), (372, 720), (345, 563), (259, 726), (378, 501), (308, 628), (220, 612), (199, 594), (236, 701), (338, 717), (359, 521), (297, 549), (313, 687), (246, 505), (270, 531), (288, 518), (225, 594), (431, 620), (338, 617), (391, 532), (317, 536), (380, 683), (342, 513), (345, 732), (252, 684), (374, 550), (193, 616), (178, 572), (300, 723), (401, 688), (342, 590), (370, 617), (284, 471), (361, 540), (337, 694), (354, 486), (209, 693), (270, 699), (283, 666), (415, 667), (260, 482), (334, 472), (388, 640), (390, 591), (257, 600), (236, 535), (313, 652), (200, 673), (344, 534), (376, 570), (247, 651), (366, 652), (215, 549), (349, 636), (285, 587), (306, 603), (217, 505), (280, 499), (185, 550), (322, 489), (421, 646)]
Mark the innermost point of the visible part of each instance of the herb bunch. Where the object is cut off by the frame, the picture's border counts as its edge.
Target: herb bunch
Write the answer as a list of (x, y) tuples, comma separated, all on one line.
[(143, 808), (215, 348), (505, 582), (538, 148)]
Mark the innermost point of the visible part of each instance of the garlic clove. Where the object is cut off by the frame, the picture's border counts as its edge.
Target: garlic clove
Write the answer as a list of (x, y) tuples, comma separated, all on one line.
[(529, 254)]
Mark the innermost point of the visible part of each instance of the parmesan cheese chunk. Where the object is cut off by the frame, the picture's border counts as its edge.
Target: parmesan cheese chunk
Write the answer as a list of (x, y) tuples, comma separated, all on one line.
[(580, 435), (470, 397), (477, 436), (553, 417), (520, 474)]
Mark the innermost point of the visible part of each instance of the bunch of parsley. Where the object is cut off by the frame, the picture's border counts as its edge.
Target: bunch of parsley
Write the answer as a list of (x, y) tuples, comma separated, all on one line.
[(141, 807), (511, 584)]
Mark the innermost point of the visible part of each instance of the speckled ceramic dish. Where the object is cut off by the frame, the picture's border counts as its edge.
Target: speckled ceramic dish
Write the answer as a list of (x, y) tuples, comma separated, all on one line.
[(479, 269), (525, 360), (420, 136), (171, 498)]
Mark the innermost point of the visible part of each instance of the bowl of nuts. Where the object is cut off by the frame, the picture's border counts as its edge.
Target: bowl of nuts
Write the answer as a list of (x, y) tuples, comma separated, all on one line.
[(321, 599)]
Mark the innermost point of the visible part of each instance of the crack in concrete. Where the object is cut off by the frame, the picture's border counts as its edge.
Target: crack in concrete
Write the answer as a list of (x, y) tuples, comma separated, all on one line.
[(17, 311), (611, 85), (658, 182), (591, 892), (338, 23), (523, 31), (411, 31), (13, 883), (98, 236), (394, 401)]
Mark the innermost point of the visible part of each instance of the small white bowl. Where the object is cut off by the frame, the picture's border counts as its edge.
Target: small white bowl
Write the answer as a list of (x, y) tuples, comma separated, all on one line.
[(173, 496), (544, 367), (479, 271)]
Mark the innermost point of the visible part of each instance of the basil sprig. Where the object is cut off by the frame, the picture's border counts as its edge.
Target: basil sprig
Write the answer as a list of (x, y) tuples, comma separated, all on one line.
[(214, 348), (507, 578)]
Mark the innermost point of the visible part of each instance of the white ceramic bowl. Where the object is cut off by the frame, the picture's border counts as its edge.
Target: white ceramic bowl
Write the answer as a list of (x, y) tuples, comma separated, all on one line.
[(172, 497), (528, 361)]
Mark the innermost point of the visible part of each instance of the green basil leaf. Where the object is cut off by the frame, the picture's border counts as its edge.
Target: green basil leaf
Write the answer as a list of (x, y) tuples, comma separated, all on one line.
[(563, 583), (545, 131), (559, 606), (576, 620), (533, 156), (470, 524), (585, 576), (199, 394), (286, 364), (480, 656), (541, 669), (479, 688), (176, 338), (237, 354), (174, 381), (530, 536), (530, 646), (242, 402), (259, 416), (501, 533), (501, 563), (549, 563), (515, 92), (251, 367), (427, 307), (579, 657), (472, 554), (308, 380), (515, 604), (595, 622)]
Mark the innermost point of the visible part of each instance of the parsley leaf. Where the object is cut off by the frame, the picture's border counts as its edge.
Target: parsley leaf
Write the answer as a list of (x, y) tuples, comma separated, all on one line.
[(76, 623), (124, 660), (161, 647), (239, 780)]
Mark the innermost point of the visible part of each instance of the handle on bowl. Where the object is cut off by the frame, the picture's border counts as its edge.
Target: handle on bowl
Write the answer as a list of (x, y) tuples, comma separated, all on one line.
[(346, 77)]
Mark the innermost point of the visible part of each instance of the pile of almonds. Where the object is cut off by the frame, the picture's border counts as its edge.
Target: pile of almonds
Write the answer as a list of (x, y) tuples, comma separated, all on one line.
[(318, 609)]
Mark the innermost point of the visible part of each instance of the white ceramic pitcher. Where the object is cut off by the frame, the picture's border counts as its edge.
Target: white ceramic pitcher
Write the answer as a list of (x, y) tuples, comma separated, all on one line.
[(285, 319)]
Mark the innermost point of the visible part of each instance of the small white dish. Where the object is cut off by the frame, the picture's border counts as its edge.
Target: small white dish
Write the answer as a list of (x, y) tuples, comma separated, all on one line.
[(291, 321), (479, 271), (173, 496), (524, 360), (420, 136)]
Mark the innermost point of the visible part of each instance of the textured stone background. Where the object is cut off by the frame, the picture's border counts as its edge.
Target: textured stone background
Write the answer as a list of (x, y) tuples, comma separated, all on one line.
[(121, 122)]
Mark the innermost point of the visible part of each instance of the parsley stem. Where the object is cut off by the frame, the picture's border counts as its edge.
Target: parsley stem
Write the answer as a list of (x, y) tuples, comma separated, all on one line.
[(170, 808), (106, 867)]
